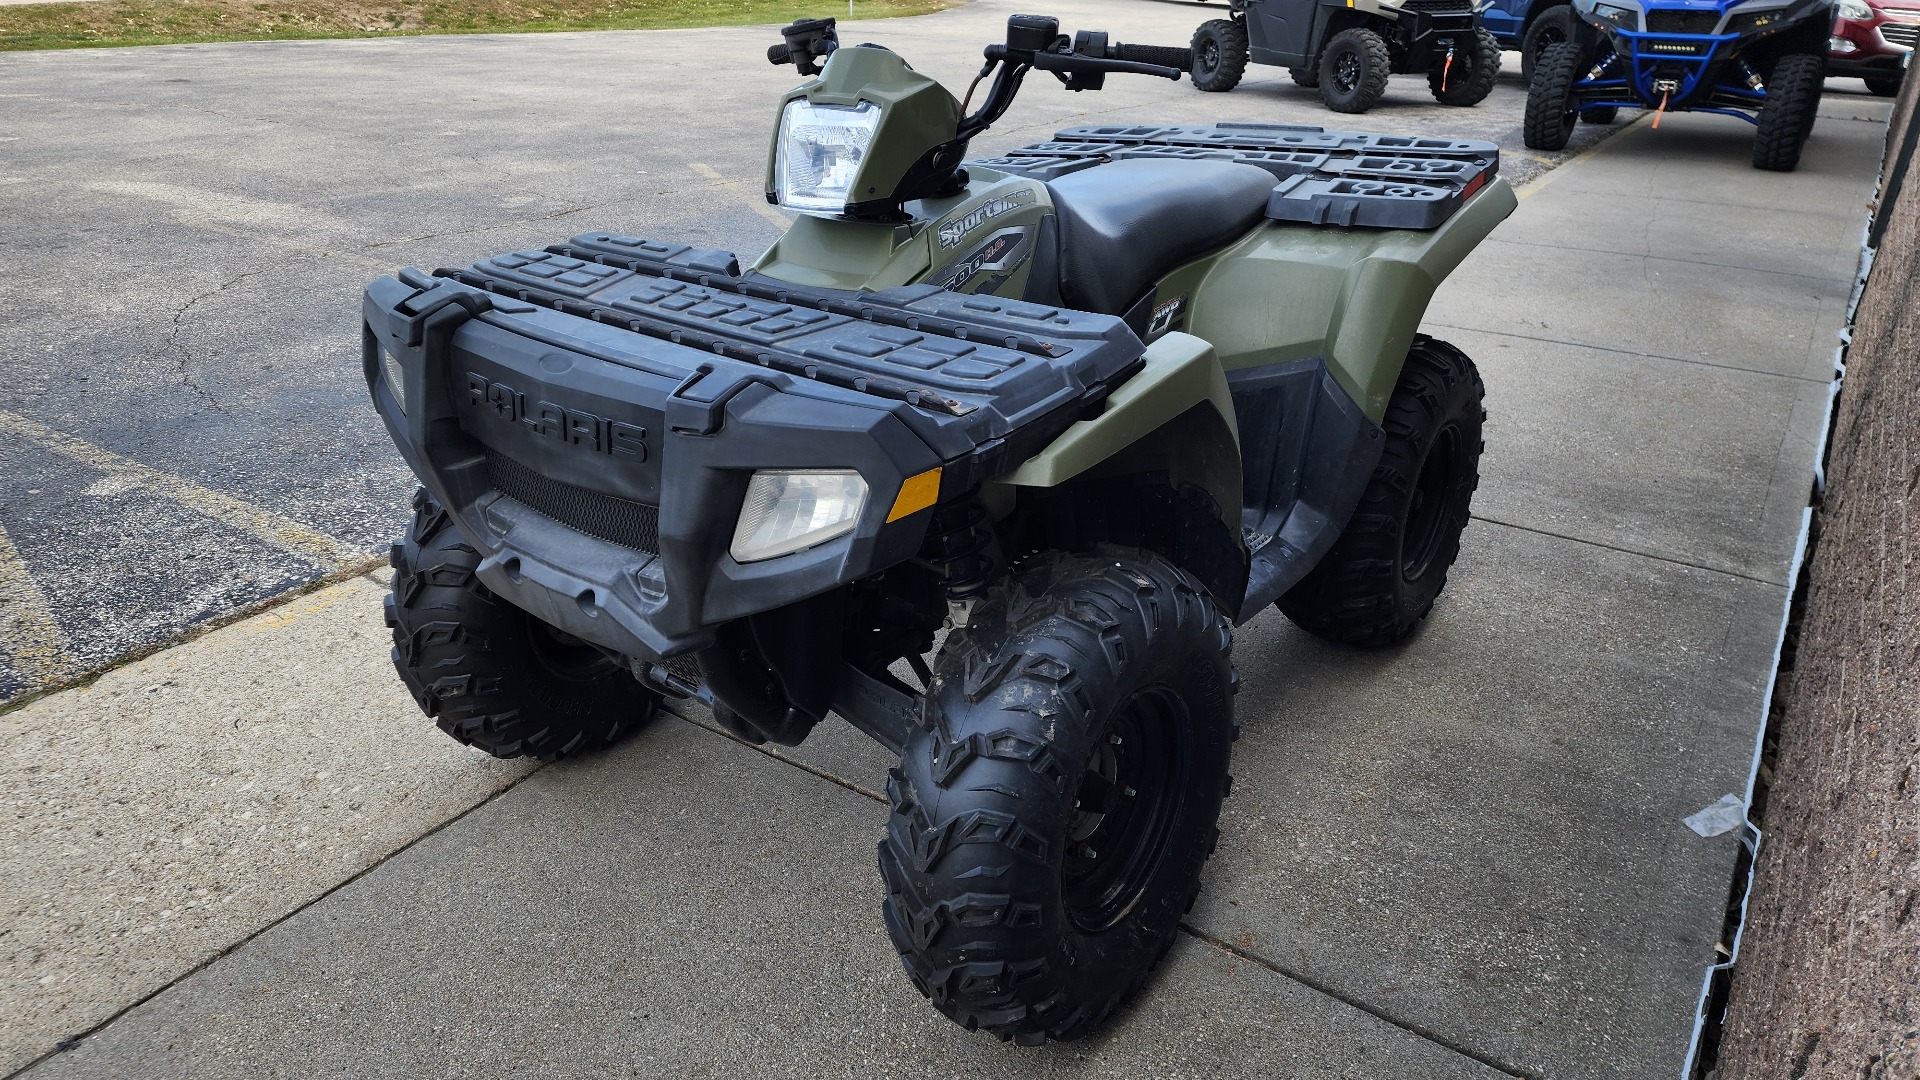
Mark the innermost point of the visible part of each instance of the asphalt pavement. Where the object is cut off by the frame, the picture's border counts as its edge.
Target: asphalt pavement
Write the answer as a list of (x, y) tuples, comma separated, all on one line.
[(184, 232), (1464, 856)]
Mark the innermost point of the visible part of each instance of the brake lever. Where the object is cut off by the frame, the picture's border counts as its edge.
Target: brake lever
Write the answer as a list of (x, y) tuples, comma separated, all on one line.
[(1072, 64)]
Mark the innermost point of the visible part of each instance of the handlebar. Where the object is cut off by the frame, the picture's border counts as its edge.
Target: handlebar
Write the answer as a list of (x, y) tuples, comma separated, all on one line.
[(1180, 59), (1035, 41), (1074, 64)]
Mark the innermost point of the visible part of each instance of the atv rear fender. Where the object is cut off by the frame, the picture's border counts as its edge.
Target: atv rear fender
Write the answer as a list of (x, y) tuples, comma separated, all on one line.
[(1353, 296)]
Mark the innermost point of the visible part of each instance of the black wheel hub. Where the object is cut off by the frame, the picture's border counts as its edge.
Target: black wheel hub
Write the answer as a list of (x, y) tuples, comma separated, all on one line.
[(1208, 61), (1346, 72), (1124, 810), (1426, 527)]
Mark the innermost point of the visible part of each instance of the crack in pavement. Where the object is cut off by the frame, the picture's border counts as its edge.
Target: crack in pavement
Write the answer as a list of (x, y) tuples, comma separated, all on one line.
[(185, 355)]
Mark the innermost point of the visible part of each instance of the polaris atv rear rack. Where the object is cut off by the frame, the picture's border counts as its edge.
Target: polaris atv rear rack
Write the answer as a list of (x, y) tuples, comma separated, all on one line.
[(1342, 178)]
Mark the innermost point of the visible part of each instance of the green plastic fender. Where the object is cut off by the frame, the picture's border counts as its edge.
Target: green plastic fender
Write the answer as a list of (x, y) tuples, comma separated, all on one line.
[(1175, 415), (1289, 290)]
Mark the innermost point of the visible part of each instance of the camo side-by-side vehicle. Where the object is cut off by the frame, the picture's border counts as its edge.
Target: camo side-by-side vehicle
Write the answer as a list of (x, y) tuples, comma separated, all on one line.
[(1345, 49), (1058, 420)]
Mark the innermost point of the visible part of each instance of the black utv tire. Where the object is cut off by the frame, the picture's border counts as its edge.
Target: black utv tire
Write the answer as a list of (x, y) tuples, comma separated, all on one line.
[(1884, 87), (1793, 103), (1353, 71), (490, 674), (1390, 563), (1219, 55), (1050, 820), (1550, 112), (1550, 27), (1470, 78), (1308, 77)]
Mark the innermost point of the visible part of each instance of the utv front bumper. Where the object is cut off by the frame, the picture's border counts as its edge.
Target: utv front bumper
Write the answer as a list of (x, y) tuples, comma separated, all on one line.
[(591, 416)]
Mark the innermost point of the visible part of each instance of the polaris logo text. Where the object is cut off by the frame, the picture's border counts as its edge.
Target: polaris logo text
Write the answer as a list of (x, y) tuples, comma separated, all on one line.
[(573, 427), (956, 230)]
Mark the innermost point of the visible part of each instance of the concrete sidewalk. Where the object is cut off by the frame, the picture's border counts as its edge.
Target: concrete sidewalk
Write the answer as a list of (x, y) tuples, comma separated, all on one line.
[(1461, 857)]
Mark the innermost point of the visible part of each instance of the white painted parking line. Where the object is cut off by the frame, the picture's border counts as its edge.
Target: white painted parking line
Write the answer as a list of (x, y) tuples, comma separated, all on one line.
[(279, 531)]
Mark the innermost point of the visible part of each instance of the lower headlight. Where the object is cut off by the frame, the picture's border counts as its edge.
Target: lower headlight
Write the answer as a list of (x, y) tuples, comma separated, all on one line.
[(1855, 10), (396, 378), (787, 511)]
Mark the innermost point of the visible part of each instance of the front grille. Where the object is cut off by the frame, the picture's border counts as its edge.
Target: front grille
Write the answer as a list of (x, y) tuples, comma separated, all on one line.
[(1907, 34), (1682, 22), (1440, 7), (606, 517)]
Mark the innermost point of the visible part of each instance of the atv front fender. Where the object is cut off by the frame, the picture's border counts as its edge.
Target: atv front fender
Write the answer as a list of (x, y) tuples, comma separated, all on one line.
[(1176, 416)]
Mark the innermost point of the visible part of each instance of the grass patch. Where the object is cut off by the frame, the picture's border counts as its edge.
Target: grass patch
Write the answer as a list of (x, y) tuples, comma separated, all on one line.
[(173, 22)]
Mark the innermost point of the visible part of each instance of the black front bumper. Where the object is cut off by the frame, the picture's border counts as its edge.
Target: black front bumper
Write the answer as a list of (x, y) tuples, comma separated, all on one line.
[(1425, 37), (1881, 66), (599, 461)]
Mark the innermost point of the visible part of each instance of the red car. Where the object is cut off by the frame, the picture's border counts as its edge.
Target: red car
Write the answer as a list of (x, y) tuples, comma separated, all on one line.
[(1872, 40)]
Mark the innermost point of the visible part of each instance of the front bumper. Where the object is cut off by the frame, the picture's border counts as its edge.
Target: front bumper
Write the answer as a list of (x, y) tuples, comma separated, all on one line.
[(1426, 35), (502, 430), (592, 425), (1880, 46)]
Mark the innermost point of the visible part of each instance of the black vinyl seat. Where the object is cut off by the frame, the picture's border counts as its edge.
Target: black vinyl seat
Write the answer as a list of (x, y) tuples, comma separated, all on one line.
[(1126, 223)]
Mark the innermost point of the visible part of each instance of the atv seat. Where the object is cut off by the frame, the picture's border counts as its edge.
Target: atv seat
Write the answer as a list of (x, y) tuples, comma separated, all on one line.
[(1126, 223)]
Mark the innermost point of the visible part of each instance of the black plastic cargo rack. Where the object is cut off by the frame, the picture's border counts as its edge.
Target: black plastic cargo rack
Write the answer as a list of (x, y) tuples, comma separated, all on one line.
[(1346, 178), (974, 370)]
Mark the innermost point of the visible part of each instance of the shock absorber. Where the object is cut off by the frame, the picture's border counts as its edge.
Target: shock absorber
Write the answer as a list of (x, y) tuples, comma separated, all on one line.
[(962, 548), (1754, 81)]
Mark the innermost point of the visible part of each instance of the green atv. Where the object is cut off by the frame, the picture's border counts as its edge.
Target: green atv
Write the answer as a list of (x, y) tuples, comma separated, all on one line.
[(1059, 419), (1345, 49)]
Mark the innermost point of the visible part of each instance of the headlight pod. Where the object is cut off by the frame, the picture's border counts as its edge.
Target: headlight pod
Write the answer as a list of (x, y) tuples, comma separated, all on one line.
[(1854, 10), (787, 511), (396, 378), (821, 150), (1753, 21), (1623, 17)]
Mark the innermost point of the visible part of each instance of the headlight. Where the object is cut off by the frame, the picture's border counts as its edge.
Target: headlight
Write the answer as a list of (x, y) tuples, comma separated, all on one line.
[(1855, 10), (1625, 18), (1758, 20), (786, 511), (821, 148), (396, 379)]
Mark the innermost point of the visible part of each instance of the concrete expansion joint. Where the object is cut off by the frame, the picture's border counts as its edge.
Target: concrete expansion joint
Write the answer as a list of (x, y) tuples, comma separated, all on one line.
[(70, 1041), (1696, 361), (1318, 986), (1194, 932), (1668, 559)]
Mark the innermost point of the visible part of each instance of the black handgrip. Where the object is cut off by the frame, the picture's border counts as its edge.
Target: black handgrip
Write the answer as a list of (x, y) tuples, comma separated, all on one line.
[(1070, 64), (779, 54), (1157, 55)]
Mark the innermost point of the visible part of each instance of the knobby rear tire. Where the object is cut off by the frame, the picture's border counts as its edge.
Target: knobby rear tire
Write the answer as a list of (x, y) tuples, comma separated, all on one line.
[(1384, 573), (1088, 705), (491, 675)]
